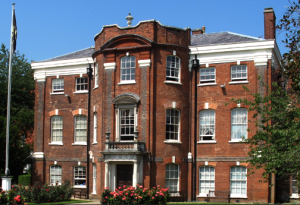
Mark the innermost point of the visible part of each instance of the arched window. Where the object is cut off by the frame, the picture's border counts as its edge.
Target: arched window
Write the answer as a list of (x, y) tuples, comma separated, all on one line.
[(55, 175), (56, 129), (80, 128), (239, 124), (172, 177), (128, 69), (80, 176), (206, 180), (172, 124), (207, 125), (238, 181), (173, 68)]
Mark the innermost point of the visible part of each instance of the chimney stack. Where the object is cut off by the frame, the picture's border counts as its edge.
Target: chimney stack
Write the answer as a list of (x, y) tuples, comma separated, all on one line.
[(269, 23), (198, 31)]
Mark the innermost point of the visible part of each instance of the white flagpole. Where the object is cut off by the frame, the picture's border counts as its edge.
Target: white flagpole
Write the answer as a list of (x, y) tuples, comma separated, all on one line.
[(7, 179)]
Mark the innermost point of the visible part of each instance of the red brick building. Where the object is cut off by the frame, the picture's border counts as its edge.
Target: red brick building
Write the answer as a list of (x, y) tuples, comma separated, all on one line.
[(142, 111)]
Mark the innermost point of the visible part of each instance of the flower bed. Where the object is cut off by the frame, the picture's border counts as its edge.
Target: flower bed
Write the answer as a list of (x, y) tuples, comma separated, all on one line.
[(37, 194), (132, 195)]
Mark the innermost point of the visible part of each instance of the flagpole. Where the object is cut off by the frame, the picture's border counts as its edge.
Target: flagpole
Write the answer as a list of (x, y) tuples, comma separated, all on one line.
[(7, 179)]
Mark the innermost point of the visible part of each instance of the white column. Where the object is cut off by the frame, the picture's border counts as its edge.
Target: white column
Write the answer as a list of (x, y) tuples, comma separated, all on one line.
[(6, 183), (106, 175), (134, 177)]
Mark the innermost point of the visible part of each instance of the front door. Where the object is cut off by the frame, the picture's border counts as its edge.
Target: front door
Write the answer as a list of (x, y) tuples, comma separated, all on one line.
[(124, 174)]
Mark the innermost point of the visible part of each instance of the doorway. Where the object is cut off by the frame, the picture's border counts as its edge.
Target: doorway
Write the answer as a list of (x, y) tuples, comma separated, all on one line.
[(124, 174)]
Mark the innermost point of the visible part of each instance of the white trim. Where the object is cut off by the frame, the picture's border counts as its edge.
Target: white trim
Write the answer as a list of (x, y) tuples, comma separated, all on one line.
[(238, 196), (79, 143), (238, 82), (108, 66), (127, 82), (172, 82), (81, 92), (294, 196), (172, 142), (78, 186), (60, 63), (206, 84), (56, 143), (235, 141), (202, 195), (207, 142), (38, 155), (144, 63)]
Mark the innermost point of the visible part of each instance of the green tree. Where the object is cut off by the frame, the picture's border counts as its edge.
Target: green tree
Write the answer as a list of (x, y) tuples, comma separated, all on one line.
[(22, 111), (276, 143)]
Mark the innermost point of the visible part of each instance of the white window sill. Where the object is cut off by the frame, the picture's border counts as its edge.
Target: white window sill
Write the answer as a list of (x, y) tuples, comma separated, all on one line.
[(238, 82), (173, 82), (172, 142), (202, 195), (207, 142), (56, 143), (236, 141), (294, 196), (238, 196), (94, 143), (57, 93), (80, 92), (94, 193), (79, 143), (127, 83), (206, 84), (95, 87), (79, 186)]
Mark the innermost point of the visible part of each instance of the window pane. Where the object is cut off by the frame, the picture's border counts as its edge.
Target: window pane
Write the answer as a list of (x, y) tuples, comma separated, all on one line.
[(172, 68), (172, 124)]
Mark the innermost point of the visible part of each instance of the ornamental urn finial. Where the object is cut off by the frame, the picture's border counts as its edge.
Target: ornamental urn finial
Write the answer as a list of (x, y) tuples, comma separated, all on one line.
[(129, 19)]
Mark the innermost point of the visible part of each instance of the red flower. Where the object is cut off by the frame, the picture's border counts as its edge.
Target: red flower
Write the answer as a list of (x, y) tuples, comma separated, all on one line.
[(158, 185), (153, 197), (124, 186), (62, 196), (47, 189), (20, 185), (106, 197), (12, 186)]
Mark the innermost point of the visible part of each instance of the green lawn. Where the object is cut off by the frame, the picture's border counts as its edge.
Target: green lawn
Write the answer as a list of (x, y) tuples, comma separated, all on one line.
[(64, 202)]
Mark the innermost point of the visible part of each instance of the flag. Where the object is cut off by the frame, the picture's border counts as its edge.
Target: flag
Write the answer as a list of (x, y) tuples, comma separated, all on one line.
[(14, 33)]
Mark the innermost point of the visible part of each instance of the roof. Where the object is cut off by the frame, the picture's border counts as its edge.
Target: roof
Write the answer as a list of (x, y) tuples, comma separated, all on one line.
[(220, 38), (87, 52)]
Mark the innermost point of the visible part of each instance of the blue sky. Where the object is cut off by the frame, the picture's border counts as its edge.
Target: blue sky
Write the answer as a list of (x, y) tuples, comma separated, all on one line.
[(52, 28)]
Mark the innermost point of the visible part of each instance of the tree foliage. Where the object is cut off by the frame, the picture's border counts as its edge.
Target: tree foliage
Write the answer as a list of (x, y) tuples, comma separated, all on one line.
[(276, 143), (22, 113)]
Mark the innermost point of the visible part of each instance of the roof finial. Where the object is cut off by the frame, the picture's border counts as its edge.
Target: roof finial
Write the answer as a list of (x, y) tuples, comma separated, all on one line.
[(129, 19)]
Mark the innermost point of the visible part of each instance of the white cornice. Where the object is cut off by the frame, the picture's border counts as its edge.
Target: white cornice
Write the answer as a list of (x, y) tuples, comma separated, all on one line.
[(59, 63), (109, 66), (144, 63), (258, 51)]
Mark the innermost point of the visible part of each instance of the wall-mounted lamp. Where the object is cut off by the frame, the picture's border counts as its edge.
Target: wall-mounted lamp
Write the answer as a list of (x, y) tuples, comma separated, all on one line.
[(223, 86)]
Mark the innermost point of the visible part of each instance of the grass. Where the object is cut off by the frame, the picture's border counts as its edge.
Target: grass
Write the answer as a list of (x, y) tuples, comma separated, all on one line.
[(64, 202)]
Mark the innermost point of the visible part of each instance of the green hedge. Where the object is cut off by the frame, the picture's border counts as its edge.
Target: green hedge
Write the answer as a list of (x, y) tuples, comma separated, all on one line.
[(25, 180)]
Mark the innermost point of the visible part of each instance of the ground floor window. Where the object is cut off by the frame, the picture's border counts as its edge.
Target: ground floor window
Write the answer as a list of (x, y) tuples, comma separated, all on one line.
[(55, 175), (207, 180), (80, 176), (238, 181), (172, 177)]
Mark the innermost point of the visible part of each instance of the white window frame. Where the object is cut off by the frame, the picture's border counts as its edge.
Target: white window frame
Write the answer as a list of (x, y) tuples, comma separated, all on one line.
[(55, 177), (81, 84), (235, 67), (238, 123), (207, 114), (78, 128), (204, 74), (53, 128), (169, 178), (94, 179), (80, 176), (96, 75), (95, 128), (293, 182), (173, 124), (176, 67), (207, 177), (59, 82), (242, 178), (122, 68)]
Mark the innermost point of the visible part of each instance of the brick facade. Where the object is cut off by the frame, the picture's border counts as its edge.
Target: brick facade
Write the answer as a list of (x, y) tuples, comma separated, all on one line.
[(149, 97)]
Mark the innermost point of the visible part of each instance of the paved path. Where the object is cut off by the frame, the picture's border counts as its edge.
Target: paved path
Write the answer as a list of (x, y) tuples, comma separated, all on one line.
[(92, 201)]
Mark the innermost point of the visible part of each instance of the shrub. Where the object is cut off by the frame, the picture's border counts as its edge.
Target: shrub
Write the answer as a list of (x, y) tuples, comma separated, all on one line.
[(44, 193), (24, 180), (132, 195)]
